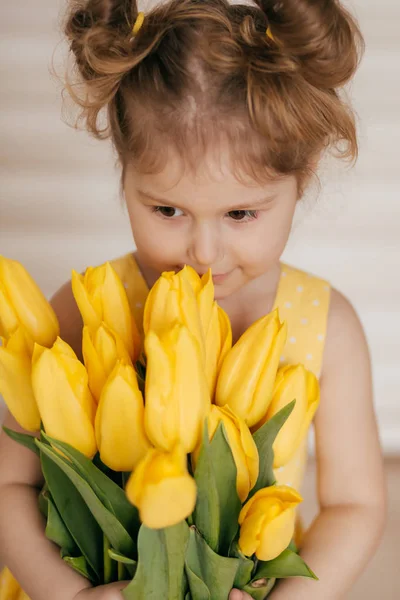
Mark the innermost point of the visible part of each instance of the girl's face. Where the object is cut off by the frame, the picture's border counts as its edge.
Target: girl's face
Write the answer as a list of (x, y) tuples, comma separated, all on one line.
[(209, 220)]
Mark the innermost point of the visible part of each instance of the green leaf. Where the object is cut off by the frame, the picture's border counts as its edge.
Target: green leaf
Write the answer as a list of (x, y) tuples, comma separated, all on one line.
[(264, 438), (22, 438), (43, 501), (79, 564), (76, 515), (198, 588), (218, 506), (111, 495), (245, 568), (160, 572), (120, 558), (260, 588), (111, 527), (57, 531), (217, 572), (287, 564)]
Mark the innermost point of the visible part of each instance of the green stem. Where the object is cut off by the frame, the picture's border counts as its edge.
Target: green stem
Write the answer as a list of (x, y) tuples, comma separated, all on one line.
[(107, 561), (121, 572)]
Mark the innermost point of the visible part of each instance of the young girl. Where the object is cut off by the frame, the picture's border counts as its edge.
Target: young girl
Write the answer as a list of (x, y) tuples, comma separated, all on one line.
[(220, 114)]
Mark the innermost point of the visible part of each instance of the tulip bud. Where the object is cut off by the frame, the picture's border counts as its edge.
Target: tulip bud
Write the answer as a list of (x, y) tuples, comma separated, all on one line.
[(101, 297), (267, 522), (242, 445), (172, 300), (162, 489), (177, 398), (101, 350), (204, 292), (23, 304), (293, 382), (218, 343), (66, 406), (9, 586), (119, 424), (15, 380), (247, 375)]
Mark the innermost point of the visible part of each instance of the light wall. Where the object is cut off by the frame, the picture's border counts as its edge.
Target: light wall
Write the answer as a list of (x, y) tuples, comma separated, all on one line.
[(59, 204)]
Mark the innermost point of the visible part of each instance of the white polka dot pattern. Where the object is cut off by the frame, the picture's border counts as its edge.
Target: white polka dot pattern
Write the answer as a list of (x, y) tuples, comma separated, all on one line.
[(303, 302)]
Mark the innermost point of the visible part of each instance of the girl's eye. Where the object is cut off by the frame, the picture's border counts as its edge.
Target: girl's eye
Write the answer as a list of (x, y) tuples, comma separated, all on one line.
[(243, 215), (168, 211)]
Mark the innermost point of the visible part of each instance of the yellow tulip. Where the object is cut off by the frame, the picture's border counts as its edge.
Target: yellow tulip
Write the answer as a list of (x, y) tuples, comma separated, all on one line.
[(243, 447), (101, 297), (101, 350), (177, 397), (9, 587), (218, 343), (22, 595), (267, 522), (66, 406), (23, 304), (293, 382), (162, 489), (247, 375), (15, 380), (172, 300), (204, 292), (119, 423)]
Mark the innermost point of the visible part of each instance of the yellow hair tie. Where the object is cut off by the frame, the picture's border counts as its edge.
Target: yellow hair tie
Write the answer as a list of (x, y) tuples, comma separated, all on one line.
[(269, 34), (138, 23)]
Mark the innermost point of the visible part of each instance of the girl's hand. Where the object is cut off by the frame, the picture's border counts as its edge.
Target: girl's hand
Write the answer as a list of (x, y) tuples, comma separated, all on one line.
[(111, 591), (239, 595)]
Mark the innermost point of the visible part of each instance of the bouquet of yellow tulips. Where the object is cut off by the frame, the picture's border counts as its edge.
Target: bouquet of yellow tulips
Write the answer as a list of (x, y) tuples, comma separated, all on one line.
[(158, 449)]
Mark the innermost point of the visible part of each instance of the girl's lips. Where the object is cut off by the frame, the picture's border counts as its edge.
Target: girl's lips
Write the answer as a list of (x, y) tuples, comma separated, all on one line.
[(217, 277), (220, 278)]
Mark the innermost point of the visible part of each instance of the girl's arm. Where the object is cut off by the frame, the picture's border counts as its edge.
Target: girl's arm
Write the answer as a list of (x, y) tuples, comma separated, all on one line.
[(350, 475), (24, 548)]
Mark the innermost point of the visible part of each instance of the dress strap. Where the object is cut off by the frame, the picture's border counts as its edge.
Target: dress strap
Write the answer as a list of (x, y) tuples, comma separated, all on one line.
[(303, 302)]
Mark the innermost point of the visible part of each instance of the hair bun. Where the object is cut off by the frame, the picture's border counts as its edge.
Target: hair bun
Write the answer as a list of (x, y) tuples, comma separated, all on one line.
[(321, 34)]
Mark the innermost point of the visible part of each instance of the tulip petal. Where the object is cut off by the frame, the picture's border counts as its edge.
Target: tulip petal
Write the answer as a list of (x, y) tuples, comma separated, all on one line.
[(162, 489), (95, 369), (116, 309), (63, 414), (16, 387), (292, 386), (8, 317), (276, 535), (177, 397), (169, 502), (120, 421), (242, 445), (90, 317), (250, 532), (247, 375), (32, 309), (9, 586), (205, 300)]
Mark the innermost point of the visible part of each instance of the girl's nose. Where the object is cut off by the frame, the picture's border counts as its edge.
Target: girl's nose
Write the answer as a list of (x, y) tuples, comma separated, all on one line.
[(206, 246)]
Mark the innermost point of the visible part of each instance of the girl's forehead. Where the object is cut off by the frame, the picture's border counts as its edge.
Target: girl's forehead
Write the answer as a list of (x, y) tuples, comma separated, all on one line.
[(212, 175)]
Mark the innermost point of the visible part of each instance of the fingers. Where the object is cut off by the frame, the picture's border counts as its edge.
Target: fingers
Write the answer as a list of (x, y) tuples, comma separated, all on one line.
[(239, 595), (236, 595)]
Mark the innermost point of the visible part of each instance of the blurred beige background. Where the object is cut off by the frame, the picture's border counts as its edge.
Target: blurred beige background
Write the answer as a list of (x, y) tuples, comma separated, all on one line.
[(60, 209)]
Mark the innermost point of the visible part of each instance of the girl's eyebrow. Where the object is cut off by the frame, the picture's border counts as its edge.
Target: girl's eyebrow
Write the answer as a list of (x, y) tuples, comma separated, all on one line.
[(243, 206)]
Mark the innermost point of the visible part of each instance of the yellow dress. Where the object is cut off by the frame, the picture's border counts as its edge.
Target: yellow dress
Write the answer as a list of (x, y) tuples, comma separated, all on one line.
[(303, 302)]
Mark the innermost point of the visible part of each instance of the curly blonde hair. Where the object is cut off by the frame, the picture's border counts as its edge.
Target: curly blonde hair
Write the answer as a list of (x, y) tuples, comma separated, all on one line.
[(199, 73)]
